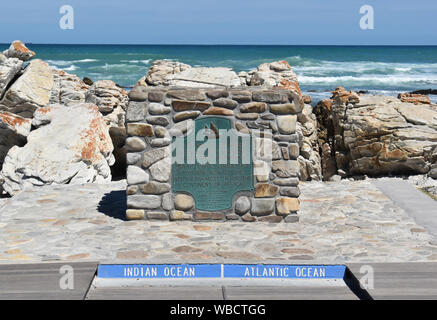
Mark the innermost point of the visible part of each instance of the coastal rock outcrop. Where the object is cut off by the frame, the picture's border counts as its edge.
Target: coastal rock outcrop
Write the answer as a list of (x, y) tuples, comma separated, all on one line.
[(9, 68), (13, 132), (67, 88), (172, 73), (30, 91), (110, 99), (112, 102), (160, 70), (309, 158), (63, 149), (375, 135), (271, 74), (18, 50), (204, 77), (414, 98), (278, 74)]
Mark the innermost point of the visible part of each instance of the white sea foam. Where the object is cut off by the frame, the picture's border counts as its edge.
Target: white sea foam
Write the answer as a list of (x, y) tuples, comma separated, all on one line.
[(333, 67), (69, 62), (58, 62), (85, 60), (375, 79), (70, 68), (146, 61)]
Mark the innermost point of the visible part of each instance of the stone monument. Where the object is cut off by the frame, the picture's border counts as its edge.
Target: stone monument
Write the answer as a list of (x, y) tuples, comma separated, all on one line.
[(213, 154)]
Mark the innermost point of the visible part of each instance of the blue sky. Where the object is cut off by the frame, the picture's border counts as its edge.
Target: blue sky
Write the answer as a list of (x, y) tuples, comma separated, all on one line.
[(220, 22)]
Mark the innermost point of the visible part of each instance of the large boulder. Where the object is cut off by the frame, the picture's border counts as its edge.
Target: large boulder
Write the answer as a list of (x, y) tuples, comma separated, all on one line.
[(378, 135), (309, 158), (29, 91), (68, 89), (414, 98), (112, 102), (18, 50), (271, 74), (71, 145), (334, 157), (278, 74), (9, 68), (172, 73), (13, 131), (160, 70), (204, 77), (110, 99)]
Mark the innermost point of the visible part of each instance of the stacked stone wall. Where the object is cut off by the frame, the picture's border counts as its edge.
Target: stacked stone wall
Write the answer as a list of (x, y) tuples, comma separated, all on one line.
[(156, 114)]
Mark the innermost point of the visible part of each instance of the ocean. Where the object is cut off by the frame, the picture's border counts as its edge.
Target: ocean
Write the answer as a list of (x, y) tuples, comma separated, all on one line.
[(377, 69)]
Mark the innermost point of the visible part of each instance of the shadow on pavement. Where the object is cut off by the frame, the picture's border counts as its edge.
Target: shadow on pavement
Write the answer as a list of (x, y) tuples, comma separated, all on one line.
[(113, 204)]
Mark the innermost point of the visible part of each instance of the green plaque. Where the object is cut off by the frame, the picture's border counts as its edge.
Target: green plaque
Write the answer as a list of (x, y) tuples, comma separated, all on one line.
[(212, 163)]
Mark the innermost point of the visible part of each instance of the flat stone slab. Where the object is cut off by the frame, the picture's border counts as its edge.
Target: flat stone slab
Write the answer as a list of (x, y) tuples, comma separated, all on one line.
[(419, 206), (156, 293), (37, 281), (288, 293), (400, 281), (348, 221), (222, 293)]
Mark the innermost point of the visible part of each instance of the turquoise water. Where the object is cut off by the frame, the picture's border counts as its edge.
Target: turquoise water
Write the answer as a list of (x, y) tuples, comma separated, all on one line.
[(386, 69)]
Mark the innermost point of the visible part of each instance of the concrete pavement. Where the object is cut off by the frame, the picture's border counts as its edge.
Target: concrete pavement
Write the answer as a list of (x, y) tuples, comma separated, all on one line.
[(390, 281), (419, 206)]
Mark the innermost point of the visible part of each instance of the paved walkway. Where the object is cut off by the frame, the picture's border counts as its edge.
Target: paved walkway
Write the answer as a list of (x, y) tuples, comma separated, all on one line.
[(348, 221), (419, 206)]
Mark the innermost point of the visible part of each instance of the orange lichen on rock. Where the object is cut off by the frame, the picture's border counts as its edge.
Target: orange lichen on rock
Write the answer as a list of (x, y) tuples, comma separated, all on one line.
[(290, 85), (19, 46), (307, 99), (96, 140), (326, 104), (414, 98), (12, 120), (44, 110), (345, 96)]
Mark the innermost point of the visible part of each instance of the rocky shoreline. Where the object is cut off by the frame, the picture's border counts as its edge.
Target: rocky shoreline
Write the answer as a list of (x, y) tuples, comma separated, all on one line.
[(56, 128)]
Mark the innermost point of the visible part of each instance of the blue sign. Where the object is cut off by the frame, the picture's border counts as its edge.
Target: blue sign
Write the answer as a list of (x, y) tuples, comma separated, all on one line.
[(283, 271), (160, 271), (226, 271)]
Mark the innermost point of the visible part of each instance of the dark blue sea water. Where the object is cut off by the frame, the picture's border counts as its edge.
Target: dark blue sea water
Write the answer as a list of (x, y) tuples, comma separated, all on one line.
[(385, 69)]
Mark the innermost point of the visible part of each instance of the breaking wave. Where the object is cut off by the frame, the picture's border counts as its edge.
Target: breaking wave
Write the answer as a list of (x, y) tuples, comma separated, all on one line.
[(318, 68)]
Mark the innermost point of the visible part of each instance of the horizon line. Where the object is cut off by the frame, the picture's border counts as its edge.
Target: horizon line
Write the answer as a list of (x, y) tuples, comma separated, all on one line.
[(227, 44)]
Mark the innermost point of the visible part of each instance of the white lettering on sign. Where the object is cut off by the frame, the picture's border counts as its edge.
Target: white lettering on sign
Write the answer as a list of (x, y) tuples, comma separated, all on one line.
[(310, 272), (140, 272), (179, 272), (267, 272)]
